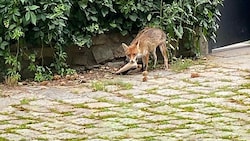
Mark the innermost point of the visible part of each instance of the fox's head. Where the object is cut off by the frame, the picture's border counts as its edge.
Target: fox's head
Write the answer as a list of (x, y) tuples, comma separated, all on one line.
[(132, 52)]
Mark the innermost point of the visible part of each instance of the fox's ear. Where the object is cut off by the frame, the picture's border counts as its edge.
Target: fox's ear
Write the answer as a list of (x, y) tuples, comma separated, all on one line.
[(125, 47)]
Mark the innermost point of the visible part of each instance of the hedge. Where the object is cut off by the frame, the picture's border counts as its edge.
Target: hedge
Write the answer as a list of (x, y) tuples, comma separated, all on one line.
[(28, 24)]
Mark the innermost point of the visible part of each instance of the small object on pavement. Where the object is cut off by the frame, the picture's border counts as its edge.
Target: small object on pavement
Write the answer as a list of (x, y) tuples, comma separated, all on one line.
[(195, 74), (68, 77), (145, 73), (44, 83), (56, 77), (145, 76), (144, 79)]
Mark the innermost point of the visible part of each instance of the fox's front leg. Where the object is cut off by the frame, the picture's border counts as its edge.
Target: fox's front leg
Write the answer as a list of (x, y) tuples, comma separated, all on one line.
[(145, 62)]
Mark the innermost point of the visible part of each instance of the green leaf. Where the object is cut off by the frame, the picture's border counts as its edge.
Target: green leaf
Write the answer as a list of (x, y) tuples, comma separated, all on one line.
[(83, 4), (104, 12), (12, 26), (43, 17), (3, 45), (149, 17), (93, 18), (36, 29), (113, 25), (33, 7), (51, 26), (33, 18), (133, 17), (27, 16), (124, 32), (22, 1), (200, 2), (62, 24), (15, 18), (177, 33), (180, 29), (92, 10), (50, 37)]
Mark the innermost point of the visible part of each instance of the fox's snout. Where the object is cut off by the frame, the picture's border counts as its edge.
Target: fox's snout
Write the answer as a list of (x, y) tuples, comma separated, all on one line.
[(132, 59)]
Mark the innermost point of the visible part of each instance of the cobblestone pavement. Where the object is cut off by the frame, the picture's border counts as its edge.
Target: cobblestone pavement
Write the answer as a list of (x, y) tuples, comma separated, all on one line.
[(169, 106)]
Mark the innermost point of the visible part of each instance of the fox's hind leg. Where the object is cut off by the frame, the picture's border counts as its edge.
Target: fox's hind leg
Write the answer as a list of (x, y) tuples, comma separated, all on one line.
[(155, 57), (164, 53)]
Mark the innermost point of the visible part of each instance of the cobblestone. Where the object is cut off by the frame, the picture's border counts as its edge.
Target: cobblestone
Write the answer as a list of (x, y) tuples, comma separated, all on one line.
[(169, 106)]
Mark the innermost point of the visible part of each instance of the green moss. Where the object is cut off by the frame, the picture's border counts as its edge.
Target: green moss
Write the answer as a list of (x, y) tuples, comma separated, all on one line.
[(98, 86), (68, 113), (77, 139), (3, 122), (151, 91), (188, 109), (10, 130), (182, 126), (227, 130), (80, 105), (125, 104), (225, 80), (157, 104), (26, 101), (73, 131), (215, 114), (162, 122), (42, 139), (23, 126), (200, 131), (179, 65), (101, 85), (129, 95), (121, 84), (195, 83), (230, 137), (245, 86), (75, 92), (168, 130), (140, 100), (3, 139), (64, 113), (28, 118), (149, 138), (102, 99), (129, 126)]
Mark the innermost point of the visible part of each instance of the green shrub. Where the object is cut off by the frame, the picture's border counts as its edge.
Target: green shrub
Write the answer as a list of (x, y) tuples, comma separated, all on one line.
[(36, 23), (29, 24), (188, 20)]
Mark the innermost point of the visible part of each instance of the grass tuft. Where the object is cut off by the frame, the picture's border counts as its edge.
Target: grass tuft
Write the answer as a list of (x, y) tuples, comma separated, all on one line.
[(101, 85), (180, 65)]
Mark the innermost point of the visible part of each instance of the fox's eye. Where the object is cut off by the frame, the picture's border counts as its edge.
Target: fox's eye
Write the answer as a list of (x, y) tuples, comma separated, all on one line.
[(134, 54)]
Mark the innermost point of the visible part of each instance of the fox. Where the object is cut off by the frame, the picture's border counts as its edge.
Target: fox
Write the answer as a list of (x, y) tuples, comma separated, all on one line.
[(146, 42)]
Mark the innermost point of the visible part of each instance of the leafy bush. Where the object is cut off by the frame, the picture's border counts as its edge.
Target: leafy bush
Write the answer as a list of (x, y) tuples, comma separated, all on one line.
[(191, 18), (89, 18), (29, 24)]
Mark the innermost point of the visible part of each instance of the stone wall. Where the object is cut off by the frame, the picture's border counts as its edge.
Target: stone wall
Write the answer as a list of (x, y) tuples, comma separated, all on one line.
[(106, 47)]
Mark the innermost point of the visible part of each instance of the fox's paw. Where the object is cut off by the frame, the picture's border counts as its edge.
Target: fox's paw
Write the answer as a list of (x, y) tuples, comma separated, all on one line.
[(166, 68)]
